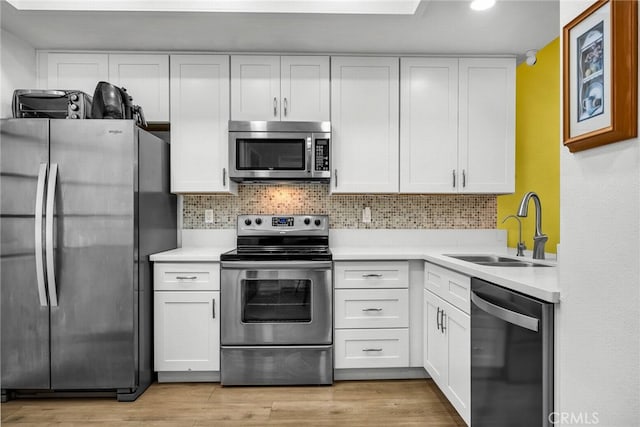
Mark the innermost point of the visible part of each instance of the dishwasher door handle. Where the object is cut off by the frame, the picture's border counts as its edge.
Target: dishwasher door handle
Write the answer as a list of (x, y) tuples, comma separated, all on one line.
[(502, 313)]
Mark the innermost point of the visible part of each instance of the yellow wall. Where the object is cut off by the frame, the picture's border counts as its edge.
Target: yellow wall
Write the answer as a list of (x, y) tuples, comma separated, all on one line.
[(537, 148)]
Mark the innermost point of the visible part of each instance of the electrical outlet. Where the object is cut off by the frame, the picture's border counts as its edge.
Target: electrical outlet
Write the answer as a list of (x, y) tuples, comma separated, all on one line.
[(366, 214), (208, 216)]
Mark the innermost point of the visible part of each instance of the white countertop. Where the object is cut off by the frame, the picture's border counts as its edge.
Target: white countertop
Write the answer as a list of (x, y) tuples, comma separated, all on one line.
[(191, 254), (538, 282)]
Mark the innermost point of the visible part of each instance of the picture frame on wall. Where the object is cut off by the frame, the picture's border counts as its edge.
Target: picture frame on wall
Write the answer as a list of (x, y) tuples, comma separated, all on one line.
[(600, 75)]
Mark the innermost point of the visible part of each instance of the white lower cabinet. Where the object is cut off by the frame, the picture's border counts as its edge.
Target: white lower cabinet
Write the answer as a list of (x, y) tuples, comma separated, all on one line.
[(371, 309), (446, 351), (187, 330), (186, 321)]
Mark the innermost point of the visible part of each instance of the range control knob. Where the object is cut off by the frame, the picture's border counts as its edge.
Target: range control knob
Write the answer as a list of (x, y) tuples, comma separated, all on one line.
[(318, 222), (74, 97), (74, 107), (258, 221), (247, 221), (307, 221)]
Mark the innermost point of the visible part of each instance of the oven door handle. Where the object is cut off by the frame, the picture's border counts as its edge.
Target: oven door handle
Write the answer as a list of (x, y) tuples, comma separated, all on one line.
[(276, 265)]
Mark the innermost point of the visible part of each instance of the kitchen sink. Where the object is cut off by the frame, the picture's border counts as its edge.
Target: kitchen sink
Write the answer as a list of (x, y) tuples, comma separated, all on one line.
[(497, 261)]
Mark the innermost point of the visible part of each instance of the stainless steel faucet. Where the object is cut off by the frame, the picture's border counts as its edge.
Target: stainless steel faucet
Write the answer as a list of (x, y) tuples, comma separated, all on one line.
[(521, 246), (539, 239)]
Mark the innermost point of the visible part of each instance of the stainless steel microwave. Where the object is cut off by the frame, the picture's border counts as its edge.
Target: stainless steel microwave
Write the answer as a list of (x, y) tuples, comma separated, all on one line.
[(279, 151)]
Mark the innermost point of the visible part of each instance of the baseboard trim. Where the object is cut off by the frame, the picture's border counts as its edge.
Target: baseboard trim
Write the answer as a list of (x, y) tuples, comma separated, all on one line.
[(189, 376), (380, 374)]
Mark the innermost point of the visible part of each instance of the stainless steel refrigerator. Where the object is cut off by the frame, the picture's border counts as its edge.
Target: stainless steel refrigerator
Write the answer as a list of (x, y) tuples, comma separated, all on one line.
[(83, 204)]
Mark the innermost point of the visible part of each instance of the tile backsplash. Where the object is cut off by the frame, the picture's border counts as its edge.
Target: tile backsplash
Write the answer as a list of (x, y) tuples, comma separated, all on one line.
[(388, 211)]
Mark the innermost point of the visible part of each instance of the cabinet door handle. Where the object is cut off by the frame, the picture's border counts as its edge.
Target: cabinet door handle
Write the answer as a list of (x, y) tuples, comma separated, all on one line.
[(464, 178), (275, 107), (186, 277), (367, 275), (213, 304), (371, 349), (224, 177), (444, 320), (371, 309), (438, 319), (335, 174), (285, 107), (454, 178)]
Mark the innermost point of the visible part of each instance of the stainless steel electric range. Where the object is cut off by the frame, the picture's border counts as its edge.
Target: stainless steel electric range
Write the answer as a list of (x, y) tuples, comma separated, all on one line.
[(277, 302)]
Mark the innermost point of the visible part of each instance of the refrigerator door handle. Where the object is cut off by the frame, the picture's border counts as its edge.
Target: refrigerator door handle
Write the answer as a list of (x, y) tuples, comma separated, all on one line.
[(502, 313), (51, 272), (42, 291)]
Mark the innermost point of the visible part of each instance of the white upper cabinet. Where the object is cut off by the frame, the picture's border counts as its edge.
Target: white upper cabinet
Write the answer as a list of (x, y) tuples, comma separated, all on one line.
[(75, 71), (487, 125), (294, 88), (255, 87), (365, 124), (305, 88), (199, 124), (457, 125), (428, 124), (146, 78)]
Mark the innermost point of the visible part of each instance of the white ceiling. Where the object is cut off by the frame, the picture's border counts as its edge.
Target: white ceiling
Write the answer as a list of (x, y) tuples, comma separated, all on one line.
[(438, 27)]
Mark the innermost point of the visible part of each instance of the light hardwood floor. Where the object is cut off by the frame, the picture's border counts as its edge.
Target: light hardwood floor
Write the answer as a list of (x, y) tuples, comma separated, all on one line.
[(346, 403)]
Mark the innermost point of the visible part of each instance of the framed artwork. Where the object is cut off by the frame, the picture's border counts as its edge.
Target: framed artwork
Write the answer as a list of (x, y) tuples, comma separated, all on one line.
[(600, 75)]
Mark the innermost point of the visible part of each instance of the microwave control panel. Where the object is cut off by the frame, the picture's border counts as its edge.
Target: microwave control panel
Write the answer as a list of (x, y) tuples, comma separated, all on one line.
[(322, 154)]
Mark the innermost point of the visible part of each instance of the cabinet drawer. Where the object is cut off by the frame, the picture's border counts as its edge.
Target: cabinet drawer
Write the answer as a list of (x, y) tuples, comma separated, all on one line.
[(371, 348), (447, 284), (372, 308), (186, 277), (372, 274)]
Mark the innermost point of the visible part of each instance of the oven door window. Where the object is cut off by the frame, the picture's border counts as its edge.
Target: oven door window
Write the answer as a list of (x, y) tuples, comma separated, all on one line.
[(270, 154), (276, 300)]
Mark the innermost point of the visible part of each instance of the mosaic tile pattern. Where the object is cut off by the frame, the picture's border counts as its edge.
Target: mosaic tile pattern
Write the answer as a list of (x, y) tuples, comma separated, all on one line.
[(388, 211)]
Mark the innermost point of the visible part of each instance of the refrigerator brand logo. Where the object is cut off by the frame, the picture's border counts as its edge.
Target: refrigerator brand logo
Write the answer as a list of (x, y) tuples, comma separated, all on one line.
[(115, 132)]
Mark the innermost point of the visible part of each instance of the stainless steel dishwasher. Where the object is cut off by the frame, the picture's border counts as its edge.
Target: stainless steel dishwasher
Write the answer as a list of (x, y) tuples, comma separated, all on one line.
[(511, 358)]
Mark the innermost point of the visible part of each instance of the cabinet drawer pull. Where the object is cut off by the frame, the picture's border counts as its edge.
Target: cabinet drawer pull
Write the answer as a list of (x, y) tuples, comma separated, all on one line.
[(371, 309), (186, 277), (213, 304), (372, 275), (371, 349)]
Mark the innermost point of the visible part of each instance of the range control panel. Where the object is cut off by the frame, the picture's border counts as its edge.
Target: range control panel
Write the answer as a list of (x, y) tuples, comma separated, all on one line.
[(278, 224)]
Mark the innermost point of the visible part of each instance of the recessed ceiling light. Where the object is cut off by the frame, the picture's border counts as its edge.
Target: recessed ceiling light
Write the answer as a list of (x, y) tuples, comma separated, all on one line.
[(482, 4)]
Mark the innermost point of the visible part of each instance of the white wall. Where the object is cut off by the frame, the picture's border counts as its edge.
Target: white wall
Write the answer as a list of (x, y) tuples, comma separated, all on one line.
[(598, 319), (18, 65)]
